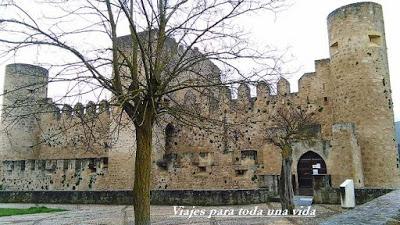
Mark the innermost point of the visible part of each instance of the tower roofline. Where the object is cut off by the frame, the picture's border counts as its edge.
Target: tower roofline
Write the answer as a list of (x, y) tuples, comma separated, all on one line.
[(26, 69), (352, 5)]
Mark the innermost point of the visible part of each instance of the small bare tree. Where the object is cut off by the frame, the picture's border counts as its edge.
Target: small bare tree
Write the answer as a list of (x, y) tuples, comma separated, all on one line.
[(290, 125), (144, 70)]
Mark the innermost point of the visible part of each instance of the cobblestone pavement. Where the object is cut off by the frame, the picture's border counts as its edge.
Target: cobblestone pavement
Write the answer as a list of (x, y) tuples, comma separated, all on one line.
[(161, 215), (382, 210)]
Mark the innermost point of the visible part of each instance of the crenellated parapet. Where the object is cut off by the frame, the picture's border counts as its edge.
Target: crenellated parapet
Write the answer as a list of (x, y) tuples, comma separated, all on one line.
[(226, 93), (320, 76), (54, 174), (244, 92), (91, 108), (311, 83), (67, 110), (104, 106), (79, 110), (283, 87), (263, 90), (304, 81), (74, 130), (311, 90)]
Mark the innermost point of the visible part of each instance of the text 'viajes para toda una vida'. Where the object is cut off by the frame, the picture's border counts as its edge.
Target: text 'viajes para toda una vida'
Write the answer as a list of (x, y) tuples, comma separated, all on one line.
[(256, 211)]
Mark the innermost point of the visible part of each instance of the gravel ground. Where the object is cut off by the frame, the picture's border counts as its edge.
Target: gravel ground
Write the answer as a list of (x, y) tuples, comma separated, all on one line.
[(382, 210), (162, 215)]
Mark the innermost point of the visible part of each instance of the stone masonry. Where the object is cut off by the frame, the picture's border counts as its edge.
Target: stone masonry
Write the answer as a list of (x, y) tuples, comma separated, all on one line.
[(350, 93)]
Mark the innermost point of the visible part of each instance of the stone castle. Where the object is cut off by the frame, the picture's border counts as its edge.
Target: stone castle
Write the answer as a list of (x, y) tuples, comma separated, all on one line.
[(350, 92)]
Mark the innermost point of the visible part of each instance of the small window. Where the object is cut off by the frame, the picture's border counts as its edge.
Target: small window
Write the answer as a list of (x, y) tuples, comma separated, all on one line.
[(41, 164), (32, 163), (203, 154), (92, 166), (249, 154), (240, 172), (334, 48), (22, 165), (325, 99), (202, 169), (105, 163), (375, 39), (65, 164), (78, 166)]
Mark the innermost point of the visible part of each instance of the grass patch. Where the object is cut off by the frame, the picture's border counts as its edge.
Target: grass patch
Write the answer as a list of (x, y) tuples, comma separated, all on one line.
[(31, 210)]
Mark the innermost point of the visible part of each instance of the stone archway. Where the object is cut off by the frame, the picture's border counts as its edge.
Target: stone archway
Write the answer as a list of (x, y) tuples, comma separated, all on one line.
[(305, 169)]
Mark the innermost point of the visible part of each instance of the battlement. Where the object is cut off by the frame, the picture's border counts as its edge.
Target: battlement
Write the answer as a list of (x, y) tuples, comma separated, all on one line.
[(311, 85), (55, 174), (78, 110), (264, 90)]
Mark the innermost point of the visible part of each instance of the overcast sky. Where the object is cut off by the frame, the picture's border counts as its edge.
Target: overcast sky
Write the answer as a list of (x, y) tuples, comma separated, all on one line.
[(302, 28)]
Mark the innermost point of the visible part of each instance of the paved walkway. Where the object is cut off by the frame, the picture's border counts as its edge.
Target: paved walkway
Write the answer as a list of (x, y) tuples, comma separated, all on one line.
[(382, 210), (161, 215)]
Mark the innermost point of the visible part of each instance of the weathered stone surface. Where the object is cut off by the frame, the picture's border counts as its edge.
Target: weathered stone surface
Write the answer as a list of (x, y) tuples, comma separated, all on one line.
[(363, 195), (349, 93), (158, 197), (382, 210), (160, 215)]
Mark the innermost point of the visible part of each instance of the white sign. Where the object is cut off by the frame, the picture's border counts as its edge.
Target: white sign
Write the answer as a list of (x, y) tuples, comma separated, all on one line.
[(317, 166), (315, 171)]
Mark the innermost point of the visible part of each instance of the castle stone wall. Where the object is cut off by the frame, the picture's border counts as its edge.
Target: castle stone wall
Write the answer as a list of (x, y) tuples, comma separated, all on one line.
[(349, 93)]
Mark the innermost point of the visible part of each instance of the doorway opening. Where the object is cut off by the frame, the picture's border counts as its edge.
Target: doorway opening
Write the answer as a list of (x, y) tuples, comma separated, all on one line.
[(310, 163)]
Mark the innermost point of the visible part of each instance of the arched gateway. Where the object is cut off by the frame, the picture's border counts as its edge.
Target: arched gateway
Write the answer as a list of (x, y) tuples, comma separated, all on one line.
[(309, 163)]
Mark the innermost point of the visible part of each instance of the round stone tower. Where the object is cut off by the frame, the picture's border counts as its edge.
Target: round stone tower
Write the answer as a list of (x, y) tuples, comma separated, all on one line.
[(362, 94), (24, 87)]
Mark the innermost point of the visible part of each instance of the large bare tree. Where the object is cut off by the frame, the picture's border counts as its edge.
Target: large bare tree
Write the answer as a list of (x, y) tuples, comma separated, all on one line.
[(144, 70), (290, 125)]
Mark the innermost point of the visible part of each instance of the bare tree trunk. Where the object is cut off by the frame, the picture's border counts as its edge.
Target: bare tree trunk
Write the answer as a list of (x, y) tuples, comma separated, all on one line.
[(141, 188), (285, 185)]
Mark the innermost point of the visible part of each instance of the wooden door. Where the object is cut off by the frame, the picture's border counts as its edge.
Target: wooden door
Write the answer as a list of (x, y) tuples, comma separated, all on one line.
[(305, 168)]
